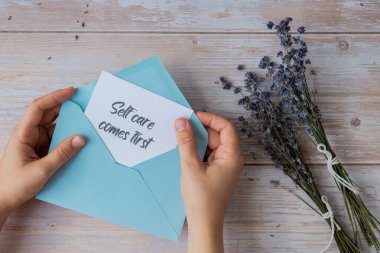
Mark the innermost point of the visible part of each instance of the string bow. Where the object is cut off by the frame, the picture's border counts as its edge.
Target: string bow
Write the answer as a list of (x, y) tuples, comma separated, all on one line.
[(333, 161)]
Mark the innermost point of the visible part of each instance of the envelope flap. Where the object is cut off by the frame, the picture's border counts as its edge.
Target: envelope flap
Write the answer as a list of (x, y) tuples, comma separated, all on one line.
[(149, 74)]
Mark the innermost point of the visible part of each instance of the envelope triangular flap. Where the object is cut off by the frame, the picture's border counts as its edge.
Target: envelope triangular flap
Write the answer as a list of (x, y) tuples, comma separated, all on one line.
[(149, 74), (160, 174)]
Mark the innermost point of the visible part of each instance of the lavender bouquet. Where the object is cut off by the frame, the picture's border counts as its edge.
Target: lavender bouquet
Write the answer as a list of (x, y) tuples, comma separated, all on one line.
[(280, 143), (288, 80)]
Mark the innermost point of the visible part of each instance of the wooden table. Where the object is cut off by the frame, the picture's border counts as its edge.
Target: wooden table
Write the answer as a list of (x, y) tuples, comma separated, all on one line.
[(46, 45)]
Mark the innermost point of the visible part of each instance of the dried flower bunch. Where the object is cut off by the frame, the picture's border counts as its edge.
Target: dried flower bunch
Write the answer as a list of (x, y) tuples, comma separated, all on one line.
[(286, 78)]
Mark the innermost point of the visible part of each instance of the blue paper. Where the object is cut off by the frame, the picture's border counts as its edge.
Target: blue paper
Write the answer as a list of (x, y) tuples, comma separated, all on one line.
[(145, 197)]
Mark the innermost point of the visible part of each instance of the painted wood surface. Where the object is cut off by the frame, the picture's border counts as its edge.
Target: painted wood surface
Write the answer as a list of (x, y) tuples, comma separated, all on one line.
[(263, 217), (47, 45), (347, 79), (187, 16)]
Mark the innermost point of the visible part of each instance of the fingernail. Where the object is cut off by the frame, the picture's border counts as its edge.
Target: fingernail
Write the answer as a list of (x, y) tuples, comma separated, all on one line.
[(77, 142), (180, 124), (69, 90)]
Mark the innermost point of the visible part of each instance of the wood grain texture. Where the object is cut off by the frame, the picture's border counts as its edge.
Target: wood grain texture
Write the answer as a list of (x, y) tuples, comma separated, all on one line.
[(347, 79), (46, 45), (263, 217), (188, 16)]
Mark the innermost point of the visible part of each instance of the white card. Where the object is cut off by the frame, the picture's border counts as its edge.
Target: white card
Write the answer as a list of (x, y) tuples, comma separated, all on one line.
[(135, 124)]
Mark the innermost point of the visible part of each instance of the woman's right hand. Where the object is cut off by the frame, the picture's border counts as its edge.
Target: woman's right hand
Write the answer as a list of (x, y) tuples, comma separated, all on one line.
[(207, 187)]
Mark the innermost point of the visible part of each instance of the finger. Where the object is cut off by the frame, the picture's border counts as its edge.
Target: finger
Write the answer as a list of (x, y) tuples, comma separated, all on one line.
[(211, 157), (60, 155), (50, 115), (187, 145), (35, 112), (225, 128), (229, 148), (213, 138), (50, 130)]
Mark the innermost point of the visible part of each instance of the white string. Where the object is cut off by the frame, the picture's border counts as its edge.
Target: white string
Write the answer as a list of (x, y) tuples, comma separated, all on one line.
[(329, 215), (333, 161)]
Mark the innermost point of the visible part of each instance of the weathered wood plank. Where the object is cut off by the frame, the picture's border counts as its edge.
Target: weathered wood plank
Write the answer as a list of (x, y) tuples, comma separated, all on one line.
[(189, 16), (347, 78), (263, 217)]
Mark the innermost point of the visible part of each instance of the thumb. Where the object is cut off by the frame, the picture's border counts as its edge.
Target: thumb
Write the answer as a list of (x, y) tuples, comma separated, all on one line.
[(61, 154), (186, 144)]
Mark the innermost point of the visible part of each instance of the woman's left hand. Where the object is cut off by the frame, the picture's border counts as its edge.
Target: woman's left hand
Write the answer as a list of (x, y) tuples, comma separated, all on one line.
[(25, 166)]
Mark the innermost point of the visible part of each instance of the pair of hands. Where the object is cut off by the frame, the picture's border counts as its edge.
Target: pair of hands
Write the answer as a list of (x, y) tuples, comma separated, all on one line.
[(206, 187)]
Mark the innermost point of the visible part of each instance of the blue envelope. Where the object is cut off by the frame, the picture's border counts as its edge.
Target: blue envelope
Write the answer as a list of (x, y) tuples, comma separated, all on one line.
[(147, 196)]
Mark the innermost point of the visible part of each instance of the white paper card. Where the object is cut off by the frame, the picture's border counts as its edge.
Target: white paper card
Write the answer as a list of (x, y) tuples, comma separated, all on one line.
[(135, 124)]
